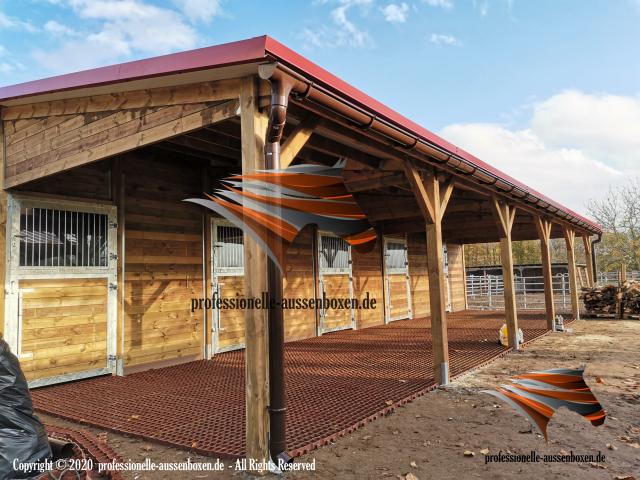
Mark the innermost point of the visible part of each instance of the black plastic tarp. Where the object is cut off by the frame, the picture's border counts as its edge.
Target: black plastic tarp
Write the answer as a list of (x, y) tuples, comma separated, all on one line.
[(22, 436)]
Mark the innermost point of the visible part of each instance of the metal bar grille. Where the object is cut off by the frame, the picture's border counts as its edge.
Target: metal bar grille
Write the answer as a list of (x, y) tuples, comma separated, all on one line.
[(487, 291), (62, 238), (229, 247), (334, 253)]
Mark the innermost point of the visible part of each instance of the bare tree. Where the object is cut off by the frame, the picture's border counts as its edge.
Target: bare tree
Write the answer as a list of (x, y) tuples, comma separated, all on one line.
[(619, 215)]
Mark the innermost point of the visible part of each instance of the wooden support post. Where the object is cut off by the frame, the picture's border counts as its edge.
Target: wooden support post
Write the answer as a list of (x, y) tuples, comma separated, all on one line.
[(432, 197), (569, 238), (543, 226), (254, 127), (505, 215), (588, 258), (296, 140)]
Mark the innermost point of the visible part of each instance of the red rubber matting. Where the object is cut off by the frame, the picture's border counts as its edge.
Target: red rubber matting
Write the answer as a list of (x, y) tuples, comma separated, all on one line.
[(335, 383)]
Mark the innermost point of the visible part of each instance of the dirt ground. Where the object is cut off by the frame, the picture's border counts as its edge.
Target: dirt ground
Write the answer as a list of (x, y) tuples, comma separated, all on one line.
[(428, 438)]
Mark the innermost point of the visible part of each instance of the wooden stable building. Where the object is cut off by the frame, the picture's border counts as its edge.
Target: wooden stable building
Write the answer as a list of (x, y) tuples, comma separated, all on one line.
[(103, 257)]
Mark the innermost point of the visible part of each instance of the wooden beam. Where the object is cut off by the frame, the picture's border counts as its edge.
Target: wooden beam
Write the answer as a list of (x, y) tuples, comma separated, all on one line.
[(433, 198), (588, 253), (505, 215), (569, 238), (339, 129), (543, 225), (183, 94), (365, 180), (254, 128), (426, 203), (296, 140)]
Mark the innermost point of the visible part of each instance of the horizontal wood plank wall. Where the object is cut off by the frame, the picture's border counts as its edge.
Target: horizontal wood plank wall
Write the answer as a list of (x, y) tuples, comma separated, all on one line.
[(456, 277), (418, 273), (398, 296), (367, 277), (163, 260), (89, 181), (298, 283), (49, 137), (231, 321), (64, 326), (336, 286)]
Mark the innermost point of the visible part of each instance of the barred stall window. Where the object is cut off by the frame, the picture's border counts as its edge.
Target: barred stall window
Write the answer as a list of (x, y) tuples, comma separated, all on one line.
[(334, 252), (62, 238), (229, 245)]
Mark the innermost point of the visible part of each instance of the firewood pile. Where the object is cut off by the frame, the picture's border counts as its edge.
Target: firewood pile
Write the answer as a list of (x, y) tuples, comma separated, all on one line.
[(631, 296), (600, 300)]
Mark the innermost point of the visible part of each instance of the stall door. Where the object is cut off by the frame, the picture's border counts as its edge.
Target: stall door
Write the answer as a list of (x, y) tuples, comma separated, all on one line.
[(63, 328), (334, 260), (228, 283), (398, 291), (60, 315)]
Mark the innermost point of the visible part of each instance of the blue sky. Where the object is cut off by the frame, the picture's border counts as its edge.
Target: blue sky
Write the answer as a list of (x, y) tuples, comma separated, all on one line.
[(547, 90)]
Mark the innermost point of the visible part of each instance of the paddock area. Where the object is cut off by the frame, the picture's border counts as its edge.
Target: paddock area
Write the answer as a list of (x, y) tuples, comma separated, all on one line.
[(335, 383)]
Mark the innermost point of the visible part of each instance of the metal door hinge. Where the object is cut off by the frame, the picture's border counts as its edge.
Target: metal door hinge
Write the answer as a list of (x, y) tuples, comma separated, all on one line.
[(113, 256), (113, 286), (113, 224)]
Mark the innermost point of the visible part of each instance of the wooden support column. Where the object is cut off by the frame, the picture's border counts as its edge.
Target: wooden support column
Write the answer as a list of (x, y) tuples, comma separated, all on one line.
[(543, 226), (254, 127), (588, 258), (569, 238), (432, 197), (296, 140), (505, 215)]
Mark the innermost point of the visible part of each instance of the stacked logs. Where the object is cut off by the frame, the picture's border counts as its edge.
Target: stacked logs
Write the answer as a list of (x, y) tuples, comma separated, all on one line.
[(631, 297), (600, 300)]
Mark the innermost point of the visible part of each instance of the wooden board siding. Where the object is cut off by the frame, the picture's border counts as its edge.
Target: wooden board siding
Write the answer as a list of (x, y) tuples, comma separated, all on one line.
[(299, 281), (39, 147), (367, 277), (231, 321), (89, 181), (64, 326), (398, 300), (336, 286), (163, 260), (457, 277), (418, 274)]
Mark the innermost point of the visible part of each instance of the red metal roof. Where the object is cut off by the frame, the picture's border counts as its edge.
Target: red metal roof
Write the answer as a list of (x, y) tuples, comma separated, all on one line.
[(248, 51)]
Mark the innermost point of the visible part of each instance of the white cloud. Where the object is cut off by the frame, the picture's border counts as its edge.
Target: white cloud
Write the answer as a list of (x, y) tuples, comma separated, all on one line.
[(199, 10), (443, 39), (607, 126), (59, 29), (439, 3), (6, 67), (396, 13), (7, 22), (344, 31), (574, 145), (124, 28)]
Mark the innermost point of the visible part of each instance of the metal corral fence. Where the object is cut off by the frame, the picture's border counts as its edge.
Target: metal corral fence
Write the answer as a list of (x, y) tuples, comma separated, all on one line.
[(606, 278), (487, 292)]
